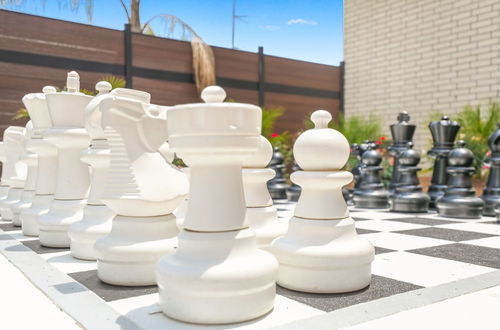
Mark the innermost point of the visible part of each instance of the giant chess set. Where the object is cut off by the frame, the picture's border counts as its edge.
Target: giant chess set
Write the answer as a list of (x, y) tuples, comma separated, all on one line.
[(96, 215)]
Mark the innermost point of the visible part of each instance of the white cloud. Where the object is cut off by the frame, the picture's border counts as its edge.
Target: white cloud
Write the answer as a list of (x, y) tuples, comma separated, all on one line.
[(271, 27), (301, 21)]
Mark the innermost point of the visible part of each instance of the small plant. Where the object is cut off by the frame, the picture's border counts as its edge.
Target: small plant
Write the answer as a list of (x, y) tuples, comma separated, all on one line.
[(476, 129), (269, 117)]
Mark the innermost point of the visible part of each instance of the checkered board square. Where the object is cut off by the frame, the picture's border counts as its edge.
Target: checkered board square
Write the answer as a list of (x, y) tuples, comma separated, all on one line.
[(413, 251)]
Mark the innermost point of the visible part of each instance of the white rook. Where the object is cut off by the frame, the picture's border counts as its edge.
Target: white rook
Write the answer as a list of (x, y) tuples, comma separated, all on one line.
[(217, 274)]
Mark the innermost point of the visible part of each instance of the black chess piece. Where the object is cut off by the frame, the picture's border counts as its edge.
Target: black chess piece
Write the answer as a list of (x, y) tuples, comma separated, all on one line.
[(459, 199), (358, 150), (443, 133), (402, 135), (408, 195), (371, 193), (293, 192), (277, 186), (497, 211), (491, 194)]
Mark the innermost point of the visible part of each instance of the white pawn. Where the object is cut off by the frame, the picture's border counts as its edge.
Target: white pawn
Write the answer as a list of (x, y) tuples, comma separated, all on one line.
[(321, 252), (68, 134), (30, 160), (217, 274), (141, 188), (10, 157), (46, 154), (15, 171), (96, 222), (261, 213)]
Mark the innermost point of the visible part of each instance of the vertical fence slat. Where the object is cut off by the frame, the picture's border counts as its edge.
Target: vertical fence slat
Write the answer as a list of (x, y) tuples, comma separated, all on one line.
[(341, 101), (262, 77), (128, 55)]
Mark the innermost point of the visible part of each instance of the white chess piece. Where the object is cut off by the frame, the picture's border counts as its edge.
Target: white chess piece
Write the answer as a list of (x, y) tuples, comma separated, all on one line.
[(217, 274), (321, 252), (141, 188), (96, 221), (15, 170), (180, 211), (68, 134), (30, 160), (46, 154), (261, 213)]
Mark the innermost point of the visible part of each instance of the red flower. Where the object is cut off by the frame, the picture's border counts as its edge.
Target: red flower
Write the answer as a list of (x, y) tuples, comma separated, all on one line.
[(275, 135), (382, 138), (378, 142)]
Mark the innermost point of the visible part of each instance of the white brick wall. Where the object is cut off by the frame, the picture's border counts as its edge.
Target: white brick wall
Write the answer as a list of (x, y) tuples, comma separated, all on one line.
[(420, 56)]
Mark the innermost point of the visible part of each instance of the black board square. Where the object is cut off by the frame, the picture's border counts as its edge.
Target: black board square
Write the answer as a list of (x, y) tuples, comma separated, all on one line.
[(380, 287), (472, 254), (110, 292)]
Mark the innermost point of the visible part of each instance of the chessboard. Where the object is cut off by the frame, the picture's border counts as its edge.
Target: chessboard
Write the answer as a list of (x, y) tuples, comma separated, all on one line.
[(420, 259)]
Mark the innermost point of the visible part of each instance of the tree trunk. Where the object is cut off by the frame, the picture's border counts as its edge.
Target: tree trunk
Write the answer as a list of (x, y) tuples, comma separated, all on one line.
[(134, 19)]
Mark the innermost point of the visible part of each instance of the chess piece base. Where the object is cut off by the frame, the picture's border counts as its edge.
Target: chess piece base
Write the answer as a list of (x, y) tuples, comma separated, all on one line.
[(96, 223), (435, 192), (217, 278), (410, 202), (4, 191), (128, 255), (264, 222), (24, 203), (53, 226), (465, 207), (490, 202), (371, 199), (29, 217), (13, 197), (323, 256)]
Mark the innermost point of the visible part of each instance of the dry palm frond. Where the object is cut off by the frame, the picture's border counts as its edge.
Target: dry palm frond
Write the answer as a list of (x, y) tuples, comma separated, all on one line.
[(203, 56), (203, 64)]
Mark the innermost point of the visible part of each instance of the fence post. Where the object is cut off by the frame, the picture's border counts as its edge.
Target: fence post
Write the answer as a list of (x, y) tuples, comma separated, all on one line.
[(128, 55), (262, 77), (341, 77)]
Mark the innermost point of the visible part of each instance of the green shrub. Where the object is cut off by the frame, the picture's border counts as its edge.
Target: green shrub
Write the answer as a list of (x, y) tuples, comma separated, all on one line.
[(476, 129)]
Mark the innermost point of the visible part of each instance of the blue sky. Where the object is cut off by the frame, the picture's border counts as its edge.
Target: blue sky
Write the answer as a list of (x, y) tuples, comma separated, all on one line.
[(299, 29)]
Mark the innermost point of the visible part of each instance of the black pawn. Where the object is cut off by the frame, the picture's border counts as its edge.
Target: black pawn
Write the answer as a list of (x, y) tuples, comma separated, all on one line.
[(443, 133), (402, 135), (277, 186), (293, 192), (459, 199), (491, 194), (371, 193), (358, 150), (408, 195)]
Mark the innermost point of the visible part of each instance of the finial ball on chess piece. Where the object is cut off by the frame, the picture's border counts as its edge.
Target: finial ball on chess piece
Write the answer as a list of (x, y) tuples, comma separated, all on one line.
[(321, 148), (213, 94), (261, 157)]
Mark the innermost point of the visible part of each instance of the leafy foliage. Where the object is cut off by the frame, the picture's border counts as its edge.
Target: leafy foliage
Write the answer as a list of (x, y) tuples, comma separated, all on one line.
[(355, 128), (476, 128), (269, 117)]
